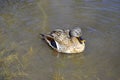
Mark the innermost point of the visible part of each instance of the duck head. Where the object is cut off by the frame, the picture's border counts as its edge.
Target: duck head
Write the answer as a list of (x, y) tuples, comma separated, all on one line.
[(76, 32)]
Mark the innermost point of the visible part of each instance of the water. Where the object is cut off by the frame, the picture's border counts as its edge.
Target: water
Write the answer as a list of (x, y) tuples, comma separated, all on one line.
[(21, 21)]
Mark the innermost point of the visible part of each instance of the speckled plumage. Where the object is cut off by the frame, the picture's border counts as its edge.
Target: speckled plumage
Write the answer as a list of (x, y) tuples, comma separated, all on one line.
[(64, 40)]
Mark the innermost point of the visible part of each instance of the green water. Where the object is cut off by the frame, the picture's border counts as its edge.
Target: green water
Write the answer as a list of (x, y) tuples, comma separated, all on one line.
[(21, 21)]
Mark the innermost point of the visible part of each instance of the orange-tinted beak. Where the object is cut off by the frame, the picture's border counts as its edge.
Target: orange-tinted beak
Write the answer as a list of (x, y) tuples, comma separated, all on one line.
[(83, 41)]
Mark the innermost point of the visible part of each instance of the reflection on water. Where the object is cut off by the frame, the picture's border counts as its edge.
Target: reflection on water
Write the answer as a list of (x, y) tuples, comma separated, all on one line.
[(21, 21)]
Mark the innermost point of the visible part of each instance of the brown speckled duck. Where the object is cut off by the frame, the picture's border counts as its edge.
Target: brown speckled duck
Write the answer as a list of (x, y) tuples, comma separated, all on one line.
[(65, 41)]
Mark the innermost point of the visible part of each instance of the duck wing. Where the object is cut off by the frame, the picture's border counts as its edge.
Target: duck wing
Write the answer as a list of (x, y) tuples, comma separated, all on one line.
[(50, 40)]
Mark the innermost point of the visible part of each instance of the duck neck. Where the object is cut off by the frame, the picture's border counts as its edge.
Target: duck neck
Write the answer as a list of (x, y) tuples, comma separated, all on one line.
[(74, 39)]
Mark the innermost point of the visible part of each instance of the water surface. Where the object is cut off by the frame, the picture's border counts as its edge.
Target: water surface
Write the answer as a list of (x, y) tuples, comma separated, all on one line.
[(21, 21)]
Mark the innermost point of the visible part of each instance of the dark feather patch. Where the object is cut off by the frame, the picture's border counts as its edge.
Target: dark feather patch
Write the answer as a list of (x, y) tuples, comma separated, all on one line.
[(80, 39), (52, 42)]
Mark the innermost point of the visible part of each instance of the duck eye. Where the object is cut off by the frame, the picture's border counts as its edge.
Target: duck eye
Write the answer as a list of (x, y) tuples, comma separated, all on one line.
[(77, 33)]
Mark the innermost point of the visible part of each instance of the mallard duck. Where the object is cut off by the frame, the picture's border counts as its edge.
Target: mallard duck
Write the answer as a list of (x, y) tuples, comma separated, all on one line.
[(65, 41)]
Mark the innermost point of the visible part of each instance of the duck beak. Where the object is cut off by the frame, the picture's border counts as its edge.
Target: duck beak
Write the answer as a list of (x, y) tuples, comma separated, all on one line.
[(83, 41)]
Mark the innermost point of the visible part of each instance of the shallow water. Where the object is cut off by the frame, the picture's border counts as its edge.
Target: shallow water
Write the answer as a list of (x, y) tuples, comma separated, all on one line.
[(21, 21)]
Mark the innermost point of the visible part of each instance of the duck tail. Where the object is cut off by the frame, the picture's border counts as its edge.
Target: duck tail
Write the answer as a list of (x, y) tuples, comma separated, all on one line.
[(42, 36)]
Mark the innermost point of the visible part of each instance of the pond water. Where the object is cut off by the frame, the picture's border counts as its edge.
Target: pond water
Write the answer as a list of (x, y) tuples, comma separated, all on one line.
[(21, 21)]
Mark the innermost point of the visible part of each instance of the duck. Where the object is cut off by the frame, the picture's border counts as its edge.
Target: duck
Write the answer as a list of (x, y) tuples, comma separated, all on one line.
[(65, 41)]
